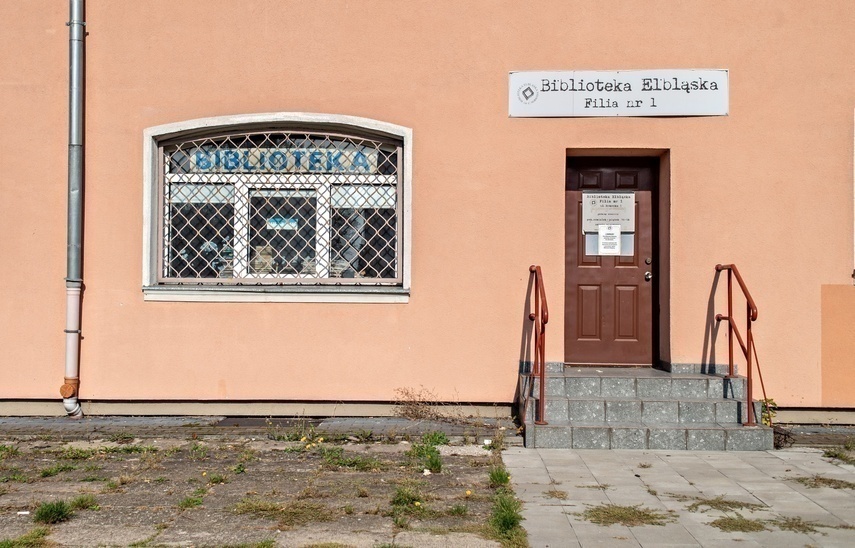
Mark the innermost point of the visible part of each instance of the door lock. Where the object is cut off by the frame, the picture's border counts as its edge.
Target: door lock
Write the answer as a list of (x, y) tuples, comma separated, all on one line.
[(648, 260), (648, 276)]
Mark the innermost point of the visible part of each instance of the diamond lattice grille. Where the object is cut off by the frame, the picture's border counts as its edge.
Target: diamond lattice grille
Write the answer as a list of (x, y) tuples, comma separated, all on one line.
[(281, 208)]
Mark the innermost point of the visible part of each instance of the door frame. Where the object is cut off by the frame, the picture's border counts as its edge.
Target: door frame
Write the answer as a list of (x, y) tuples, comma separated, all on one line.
[(661, 201)]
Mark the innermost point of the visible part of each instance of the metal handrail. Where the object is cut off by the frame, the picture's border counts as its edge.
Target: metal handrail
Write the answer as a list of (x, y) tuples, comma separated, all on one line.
[(749, 350), (540, 317)]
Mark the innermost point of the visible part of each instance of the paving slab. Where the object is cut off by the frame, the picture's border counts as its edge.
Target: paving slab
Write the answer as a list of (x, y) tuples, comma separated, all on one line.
[(669, 482)]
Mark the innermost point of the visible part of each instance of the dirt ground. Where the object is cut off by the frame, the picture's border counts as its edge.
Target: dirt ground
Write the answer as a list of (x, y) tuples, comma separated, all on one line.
[(254, 491)]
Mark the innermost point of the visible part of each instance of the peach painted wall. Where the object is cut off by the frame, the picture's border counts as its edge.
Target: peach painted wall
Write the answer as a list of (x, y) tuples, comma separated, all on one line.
[(838, 345), (768, 187)]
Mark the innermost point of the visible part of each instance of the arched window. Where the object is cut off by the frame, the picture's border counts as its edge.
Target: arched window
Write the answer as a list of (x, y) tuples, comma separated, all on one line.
[(277, 204)]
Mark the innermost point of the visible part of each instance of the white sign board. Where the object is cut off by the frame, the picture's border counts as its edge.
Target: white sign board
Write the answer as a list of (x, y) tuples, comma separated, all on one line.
[(580, 93), (608, 208), (609, 240)]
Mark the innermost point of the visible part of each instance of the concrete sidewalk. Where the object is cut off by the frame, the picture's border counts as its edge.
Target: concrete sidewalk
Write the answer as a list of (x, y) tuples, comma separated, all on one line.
[(671, 481)]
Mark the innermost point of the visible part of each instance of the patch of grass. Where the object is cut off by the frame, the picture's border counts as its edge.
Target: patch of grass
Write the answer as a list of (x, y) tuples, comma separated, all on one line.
[(239, 468), (8, 451), (362, 492), (198, 452), (56, 469), (217, 479), (93, 478), (435, 438), (334, 457), (116, 483), (160, 479), (731, 524), (268, 543), (76, 453), (190, 502), (602, 486), (33, 539), (458, 510), (505, 516), (121, 437), (53, 512), (364, 436), (817, 481), (407, 495), (499, 476), (258, 508), (348, 509), (556, 494), (434, 463), (839, 453), (129, 449), (84, 502), (303, 431), (311, 492), (300, 513), (15, 475), (722, 505), (247, 455), (796, 525), (497, 444), (630, 516), (423, 455)]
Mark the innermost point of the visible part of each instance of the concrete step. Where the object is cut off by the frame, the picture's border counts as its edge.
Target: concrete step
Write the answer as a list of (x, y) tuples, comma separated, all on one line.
[(636, 435), (635, 383), (651, 411), (648, 410)]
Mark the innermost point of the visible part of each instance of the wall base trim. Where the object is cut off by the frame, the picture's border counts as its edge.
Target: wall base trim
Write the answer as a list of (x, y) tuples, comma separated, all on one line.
[(815, 415), (54, 408)]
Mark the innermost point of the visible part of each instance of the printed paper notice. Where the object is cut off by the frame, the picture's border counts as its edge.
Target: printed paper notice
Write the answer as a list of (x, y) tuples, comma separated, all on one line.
[(609, 240)]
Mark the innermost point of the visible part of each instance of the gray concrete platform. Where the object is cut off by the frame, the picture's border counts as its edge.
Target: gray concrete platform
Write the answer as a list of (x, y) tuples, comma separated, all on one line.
[(670, 481)]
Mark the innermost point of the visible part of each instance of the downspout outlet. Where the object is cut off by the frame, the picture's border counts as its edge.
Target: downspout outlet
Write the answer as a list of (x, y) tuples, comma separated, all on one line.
[(68, 391), (72, 408)]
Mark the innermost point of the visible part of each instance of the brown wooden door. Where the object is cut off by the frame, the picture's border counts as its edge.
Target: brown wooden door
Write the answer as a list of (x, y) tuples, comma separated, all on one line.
[(609, 312)]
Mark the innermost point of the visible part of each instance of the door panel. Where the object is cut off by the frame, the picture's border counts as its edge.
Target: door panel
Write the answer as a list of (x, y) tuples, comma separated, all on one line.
[(609, 312)]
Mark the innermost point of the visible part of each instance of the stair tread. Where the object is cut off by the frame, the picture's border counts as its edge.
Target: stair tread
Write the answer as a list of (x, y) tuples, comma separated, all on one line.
[(658, 425), (677, 399), (660, 375)]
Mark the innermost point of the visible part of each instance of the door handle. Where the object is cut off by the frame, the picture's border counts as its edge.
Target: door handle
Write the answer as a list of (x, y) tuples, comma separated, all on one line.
[(648, 276)]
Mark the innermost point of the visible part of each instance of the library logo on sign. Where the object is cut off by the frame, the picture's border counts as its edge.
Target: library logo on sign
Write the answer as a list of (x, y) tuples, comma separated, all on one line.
[(527, 93)]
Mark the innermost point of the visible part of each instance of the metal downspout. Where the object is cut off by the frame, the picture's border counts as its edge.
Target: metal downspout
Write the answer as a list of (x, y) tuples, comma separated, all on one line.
[(74, 276)]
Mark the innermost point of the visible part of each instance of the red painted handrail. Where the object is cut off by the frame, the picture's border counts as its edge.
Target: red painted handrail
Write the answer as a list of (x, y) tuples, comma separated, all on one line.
[(749, 350), (540, 317)]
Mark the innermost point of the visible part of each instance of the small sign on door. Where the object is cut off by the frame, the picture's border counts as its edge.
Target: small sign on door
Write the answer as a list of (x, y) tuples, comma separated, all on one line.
[(609, 239), (616, 208)]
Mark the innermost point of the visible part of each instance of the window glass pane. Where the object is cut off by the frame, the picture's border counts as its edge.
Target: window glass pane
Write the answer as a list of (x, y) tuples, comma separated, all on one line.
[(200, 232), (282, 232), (363, 243)]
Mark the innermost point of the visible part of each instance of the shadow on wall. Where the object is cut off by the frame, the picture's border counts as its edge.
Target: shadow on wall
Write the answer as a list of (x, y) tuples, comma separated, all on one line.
[(710, 330), (526, 343)]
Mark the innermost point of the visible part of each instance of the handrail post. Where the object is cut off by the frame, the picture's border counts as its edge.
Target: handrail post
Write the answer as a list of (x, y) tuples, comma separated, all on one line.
[(540, 316), (752, 420), (730, 323), (747, 346)]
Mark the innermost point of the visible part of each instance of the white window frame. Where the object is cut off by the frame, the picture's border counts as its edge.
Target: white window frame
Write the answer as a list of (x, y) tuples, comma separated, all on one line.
[(153, 291)]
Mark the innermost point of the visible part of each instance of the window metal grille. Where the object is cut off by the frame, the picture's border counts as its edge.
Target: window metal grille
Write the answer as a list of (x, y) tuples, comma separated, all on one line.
[(280, 208)]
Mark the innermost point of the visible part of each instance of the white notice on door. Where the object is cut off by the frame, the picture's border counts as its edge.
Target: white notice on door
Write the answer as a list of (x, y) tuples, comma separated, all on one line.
[(608, 208), (609, 240)]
